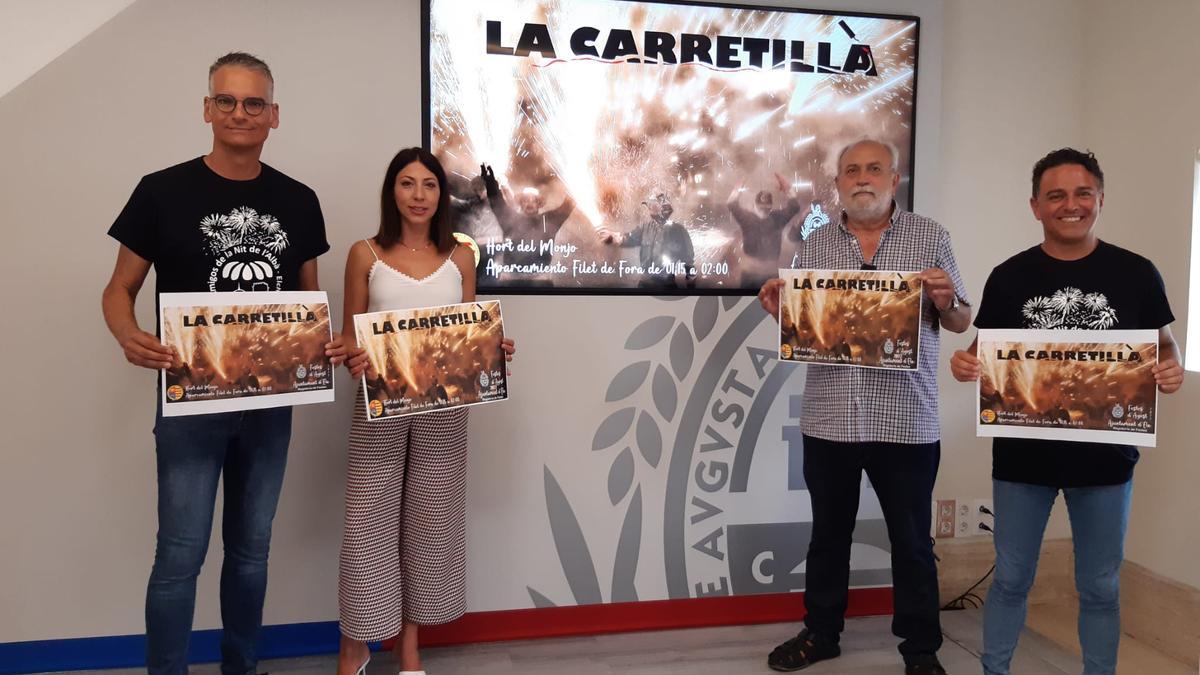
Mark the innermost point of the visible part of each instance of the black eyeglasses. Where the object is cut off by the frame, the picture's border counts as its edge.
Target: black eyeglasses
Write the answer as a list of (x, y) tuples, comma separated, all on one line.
[(868, 266), (251, 104)]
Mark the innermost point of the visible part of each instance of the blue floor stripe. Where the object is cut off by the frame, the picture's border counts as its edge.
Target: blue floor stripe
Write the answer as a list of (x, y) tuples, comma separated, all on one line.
[(129, 651)]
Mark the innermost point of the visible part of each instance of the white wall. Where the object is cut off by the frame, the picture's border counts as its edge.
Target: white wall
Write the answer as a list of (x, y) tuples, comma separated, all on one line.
[(78, 461), (1140, 119), (35, 32), (1011, 92), (1021, 79), (78, 486)]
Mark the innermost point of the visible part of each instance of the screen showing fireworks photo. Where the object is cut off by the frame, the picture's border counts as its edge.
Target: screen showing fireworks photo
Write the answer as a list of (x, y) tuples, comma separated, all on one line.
[(611, 146)]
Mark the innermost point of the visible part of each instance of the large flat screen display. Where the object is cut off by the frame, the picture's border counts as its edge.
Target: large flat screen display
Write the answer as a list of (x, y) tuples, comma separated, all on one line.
[(611, 146)]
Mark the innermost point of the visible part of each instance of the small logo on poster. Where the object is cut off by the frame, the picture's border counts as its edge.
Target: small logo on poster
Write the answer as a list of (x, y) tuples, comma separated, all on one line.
[(376, 407), (1118, 412), (889, 347), (174, 392), (301, 372), (484, 381), (785, 350), (987, 415)]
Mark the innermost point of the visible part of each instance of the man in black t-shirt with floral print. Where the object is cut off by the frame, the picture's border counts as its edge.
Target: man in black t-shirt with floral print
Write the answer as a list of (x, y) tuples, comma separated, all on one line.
[(221, 222), (1072, 280)]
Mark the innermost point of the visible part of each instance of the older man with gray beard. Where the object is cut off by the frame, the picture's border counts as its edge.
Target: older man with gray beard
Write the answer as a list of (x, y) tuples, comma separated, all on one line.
[(883, 422)]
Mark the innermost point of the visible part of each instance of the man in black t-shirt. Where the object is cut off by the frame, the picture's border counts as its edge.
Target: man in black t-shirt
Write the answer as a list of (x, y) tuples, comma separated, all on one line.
[(202, 224), (1072, 280)]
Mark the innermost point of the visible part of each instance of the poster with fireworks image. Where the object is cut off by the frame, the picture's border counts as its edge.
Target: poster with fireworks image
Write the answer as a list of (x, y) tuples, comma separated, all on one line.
[(1071, 385), (861, 318), (616, 146), (242, 351), (432, 358)]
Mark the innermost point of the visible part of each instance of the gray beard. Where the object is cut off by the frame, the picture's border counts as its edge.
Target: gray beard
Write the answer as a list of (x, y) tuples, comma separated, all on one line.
[(867, 213)]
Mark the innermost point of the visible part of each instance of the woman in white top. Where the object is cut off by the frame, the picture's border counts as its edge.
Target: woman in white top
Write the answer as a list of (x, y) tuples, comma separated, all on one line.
[(402, 561)]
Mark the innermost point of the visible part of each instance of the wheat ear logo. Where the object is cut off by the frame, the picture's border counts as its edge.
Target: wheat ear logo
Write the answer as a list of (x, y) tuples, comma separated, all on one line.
[(686, 412)]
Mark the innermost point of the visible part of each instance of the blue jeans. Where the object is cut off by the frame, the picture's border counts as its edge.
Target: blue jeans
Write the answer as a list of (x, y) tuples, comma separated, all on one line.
[(250, 448), (1099, 516)]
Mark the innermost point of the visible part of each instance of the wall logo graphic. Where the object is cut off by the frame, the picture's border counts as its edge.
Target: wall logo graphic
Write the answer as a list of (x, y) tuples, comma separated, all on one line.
[(1118, 412), (247, 245), (710, 395), (1067, 309)]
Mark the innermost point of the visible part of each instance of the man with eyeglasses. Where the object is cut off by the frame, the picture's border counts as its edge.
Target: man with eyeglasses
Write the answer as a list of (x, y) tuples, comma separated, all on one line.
[(192, 222), (883, 422)]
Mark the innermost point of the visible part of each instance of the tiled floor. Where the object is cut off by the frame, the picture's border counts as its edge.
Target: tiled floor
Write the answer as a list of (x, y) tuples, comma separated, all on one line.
[(868, 648)]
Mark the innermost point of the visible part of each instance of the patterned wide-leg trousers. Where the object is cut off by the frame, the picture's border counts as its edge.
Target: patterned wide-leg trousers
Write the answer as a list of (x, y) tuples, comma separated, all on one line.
[(403, 555)]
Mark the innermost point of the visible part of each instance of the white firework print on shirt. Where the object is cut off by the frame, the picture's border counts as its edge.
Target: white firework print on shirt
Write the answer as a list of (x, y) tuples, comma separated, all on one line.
[(1069, 309), (242, 227), (246, 244)]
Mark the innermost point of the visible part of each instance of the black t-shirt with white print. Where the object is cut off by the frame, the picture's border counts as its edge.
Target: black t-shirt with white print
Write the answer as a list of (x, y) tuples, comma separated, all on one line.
[(1109, 289), (203, 232)]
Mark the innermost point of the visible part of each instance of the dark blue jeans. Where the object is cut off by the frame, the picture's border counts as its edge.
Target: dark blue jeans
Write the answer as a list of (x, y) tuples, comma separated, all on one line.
[(250, 449), (902, 475)]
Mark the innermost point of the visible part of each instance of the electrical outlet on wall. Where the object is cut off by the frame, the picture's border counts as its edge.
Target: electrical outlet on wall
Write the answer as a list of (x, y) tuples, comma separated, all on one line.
[(982, 514), (945, 518), (963, 521)]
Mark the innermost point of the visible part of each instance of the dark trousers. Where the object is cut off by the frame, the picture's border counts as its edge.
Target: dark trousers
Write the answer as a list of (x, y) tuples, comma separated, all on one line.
[(902, 475)]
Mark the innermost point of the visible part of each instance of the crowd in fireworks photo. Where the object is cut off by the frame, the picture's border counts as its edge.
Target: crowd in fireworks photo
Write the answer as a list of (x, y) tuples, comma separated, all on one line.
[(856, 327), (421, 369), (246, 359), (1092, 394), (713, 175)]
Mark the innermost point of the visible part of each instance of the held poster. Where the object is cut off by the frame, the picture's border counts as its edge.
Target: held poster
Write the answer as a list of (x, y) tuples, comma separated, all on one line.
[(432, 358), (1079, 385), (865, 318), (243, 351)]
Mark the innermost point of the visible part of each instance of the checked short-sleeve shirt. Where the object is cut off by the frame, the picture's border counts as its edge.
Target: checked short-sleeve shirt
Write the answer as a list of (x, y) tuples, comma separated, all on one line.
[(862, 405)]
